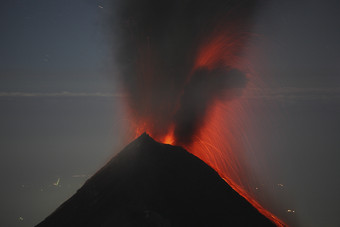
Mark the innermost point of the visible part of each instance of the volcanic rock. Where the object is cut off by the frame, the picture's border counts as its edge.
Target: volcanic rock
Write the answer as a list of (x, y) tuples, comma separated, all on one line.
[(154, 184)]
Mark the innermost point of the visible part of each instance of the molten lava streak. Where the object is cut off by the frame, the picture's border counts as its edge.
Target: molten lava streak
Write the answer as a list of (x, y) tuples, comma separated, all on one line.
[(217, 117)]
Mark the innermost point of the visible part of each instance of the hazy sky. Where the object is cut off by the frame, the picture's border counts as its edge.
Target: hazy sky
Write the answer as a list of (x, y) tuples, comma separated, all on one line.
[(60, 114), (52, 46), (49, 48)]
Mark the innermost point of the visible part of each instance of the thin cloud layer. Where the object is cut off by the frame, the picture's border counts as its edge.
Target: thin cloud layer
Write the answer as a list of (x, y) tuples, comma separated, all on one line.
[(60, 94)]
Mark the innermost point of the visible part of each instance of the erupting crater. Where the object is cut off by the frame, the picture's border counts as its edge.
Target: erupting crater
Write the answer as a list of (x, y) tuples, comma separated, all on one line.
[(155, 184)]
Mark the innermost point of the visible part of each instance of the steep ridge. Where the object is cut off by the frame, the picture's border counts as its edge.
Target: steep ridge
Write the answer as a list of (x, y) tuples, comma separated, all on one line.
[(154, 184)]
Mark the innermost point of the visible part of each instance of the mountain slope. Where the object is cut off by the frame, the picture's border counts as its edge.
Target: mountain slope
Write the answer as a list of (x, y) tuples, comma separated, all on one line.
[(154, 184)]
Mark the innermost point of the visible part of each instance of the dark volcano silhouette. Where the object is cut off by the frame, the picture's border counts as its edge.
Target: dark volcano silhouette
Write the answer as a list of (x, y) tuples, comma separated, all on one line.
[(154, 184)]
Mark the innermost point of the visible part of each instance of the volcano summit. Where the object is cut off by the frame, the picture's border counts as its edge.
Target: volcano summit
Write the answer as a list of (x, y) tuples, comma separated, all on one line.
[(154, 184)]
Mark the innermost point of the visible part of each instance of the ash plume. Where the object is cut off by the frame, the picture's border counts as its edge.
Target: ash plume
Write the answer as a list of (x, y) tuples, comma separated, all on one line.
[(158, 47), (183, 64), (199, 94)]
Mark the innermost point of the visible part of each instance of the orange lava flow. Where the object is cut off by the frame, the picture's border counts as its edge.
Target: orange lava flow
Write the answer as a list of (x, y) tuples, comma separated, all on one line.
[(218, 141), (216, 146)]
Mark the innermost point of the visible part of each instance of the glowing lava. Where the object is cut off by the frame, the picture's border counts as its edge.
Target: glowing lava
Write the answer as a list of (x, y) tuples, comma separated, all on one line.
[(217, 129)]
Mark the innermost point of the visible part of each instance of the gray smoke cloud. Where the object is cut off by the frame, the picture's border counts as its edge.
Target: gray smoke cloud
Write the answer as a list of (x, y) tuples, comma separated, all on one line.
[(156, 44)]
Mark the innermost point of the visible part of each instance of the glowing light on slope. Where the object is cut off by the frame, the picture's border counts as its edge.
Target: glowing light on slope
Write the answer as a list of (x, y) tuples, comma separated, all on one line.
[(217, 140)]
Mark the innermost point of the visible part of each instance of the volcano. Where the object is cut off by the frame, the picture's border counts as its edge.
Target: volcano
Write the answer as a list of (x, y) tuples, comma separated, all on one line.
[(154, 184)]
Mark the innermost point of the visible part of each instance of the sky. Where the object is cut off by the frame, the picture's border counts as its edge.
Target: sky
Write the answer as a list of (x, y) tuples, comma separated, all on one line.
[(61, 115), (53, 45), (58, 104)]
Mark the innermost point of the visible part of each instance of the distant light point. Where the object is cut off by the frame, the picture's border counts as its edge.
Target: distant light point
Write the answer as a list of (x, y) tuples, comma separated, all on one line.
[(57, 183)]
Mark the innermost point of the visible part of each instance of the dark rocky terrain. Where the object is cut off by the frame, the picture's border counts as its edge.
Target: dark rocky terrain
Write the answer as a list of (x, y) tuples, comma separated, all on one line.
[(154, 184)]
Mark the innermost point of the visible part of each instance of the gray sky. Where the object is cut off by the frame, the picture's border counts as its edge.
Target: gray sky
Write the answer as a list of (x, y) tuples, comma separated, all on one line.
[(61, 115)]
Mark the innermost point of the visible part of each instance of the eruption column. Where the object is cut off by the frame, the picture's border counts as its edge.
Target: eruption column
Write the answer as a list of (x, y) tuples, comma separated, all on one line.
[(183, 69)]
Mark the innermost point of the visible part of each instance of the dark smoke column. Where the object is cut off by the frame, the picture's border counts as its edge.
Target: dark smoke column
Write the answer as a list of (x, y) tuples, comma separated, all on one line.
[(183, 68), (176, 58)]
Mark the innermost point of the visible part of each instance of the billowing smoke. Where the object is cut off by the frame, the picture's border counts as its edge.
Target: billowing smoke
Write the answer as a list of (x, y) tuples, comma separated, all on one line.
[(177, 58), (183, 68), (199, 94)]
